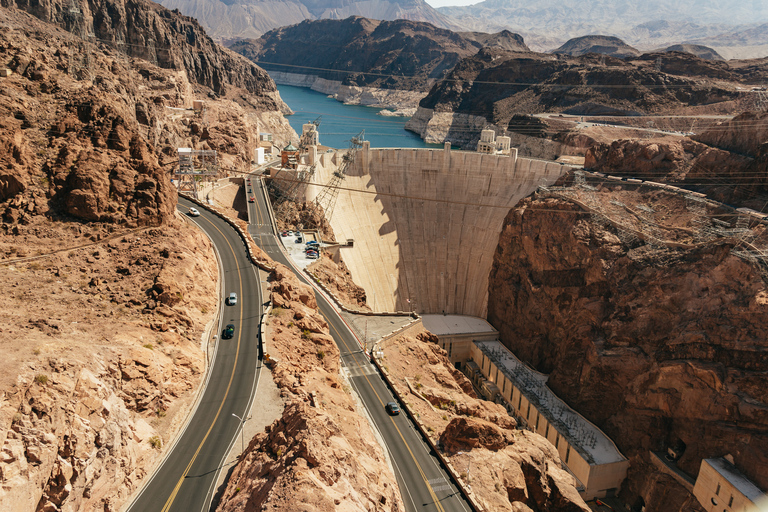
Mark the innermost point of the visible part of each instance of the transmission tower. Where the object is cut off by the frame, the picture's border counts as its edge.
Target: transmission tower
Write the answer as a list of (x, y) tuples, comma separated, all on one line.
[(761, 101), (79, 51), (326, 199), (195, 165)]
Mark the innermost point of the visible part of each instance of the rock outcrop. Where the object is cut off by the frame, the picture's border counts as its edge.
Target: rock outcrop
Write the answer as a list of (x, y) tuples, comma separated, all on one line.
[(507, 469), (494, 85), (653, 341), (358, 59), (145, 30), (604, 45), (728, 161), (321, 452)]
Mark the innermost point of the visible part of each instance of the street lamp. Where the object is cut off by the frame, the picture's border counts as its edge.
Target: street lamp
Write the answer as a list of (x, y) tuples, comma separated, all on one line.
[(242, 428)]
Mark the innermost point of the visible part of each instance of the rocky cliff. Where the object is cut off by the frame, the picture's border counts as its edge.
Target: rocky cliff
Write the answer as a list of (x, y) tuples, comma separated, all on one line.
[(647, 313), (229, 20), (108, 292), (494, 85), (321, 452), (400, 55), (145, 30), (728, 160)]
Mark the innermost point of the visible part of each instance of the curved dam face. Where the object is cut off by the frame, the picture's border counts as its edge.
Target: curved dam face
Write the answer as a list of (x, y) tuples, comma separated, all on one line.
[(426, 222)]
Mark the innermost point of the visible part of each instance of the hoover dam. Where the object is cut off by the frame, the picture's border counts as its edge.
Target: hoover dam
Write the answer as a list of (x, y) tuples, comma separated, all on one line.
[(426, 222)]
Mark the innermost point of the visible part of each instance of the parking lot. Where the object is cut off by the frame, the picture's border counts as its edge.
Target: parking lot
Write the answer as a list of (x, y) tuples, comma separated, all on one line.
[(296, 250)]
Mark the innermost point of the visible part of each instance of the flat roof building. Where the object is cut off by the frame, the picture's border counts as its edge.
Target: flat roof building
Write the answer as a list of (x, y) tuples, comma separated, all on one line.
[(588, 453), (721, 487)]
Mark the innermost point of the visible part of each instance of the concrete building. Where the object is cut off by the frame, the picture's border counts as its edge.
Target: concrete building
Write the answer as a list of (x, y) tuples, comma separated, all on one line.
[(456, 333), (309, 135), (258, 156), (487, 142), (587, 452), (721, 487)]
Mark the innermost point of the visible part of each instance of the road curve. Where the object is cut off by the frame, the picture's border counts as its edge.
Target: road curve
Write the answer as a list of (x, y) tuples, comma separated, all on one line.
[(185, 480), (424, 483)]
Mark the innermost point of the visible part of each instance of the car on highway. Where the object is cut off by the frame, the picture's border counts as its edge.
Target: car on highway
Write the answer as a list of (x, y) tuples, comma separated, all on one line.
[(193, 212), (228, 332), (232, 299), (251, 199), (392, 408)]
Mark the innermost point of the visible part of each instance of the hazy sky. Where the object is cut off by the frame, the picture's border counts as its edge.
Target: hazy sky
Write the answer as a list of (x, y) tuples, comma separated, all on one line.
[(444, 3)]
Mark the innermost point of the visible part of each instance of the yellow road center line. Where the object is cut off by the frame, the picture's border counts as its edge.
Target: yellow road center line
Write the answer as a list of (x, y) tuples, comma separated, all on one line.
[(175, 492), (381, 402)]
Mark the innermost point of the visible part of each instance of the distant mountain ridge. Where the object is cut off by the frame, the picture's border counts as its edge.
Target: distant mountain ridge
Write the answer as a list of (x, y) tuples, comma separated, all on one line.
[(401, 54), (650, 24), (606, 45), (234, 19)]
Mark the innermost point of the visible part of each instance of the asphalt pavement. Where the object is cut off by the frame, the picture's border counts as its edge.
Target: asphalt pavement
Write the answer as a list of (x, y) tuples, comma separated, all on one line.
[(424, 484), (185, 480)]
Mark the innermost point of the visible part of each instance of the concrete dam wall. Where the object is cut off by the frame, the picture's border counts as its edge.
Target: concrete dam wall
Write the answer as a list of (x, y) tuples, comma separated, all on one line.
[(426, 222)]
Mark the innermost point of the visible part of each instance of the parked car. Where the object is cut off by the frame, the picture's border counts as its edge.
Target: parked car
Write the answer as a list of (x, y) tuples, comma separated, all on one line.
[(392, 408), (313, 243), (284, 233), (299, 240), (232, 299), (193, 212), (228, 332)]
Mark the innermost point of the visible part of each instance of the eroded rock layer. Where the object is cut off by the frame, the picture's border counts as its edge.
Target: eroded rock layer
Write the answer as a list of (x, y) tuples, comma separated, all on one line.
[(649, 328)]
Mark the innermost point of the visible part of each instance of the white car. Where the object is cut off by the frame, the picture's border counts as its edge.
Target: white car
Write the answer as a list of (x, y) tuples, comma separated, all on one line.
[(232, 300), (193, 212)]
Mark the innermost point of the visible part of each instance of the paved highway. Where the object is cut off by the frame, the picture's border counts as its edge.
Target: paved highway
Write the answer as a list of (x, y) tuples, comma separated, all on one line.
[(424, 484), (186, 478)]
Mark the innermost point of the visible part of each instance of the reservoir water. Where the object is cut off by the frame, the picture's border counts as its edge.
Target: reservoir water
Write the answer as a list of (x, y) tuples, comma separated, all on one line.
[(341, 122)]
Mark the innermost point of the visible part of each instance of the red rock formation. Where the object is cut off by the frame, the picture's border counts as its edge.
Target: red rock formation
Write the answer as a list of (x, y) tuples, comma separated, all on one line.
[(652, 345), (320, 453)]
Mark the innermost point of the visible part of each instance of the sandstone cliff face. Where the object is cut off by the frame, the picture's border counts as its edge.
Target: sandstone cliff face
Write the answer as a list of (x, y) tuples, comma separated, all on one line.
[(321, 453), (652, 343), (143, 29), (728, 160)]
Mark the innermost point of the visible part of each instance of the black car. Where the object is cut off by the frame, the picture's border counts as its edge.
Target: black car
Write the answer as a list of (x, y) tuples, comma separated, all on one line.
[(392, 408), (228, 332)]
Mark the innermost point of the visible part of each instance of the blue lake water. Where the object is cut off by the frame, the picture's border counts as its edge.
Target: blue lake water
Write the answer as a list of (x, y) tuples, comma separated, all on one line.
[(341, 122)]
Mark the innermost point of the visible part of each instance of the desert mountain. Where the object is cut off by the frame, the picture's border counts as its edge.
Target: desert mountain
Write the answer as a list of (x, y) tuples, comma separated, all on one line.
[(252, 18), (605, 45), (646, 25), (399, 54), (112, 290), (703, 52)]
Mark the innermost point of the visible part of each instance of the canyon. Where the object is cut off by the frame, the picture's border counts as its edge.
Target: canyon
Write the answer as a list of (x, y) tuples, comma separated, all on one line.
[(656, 338)]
